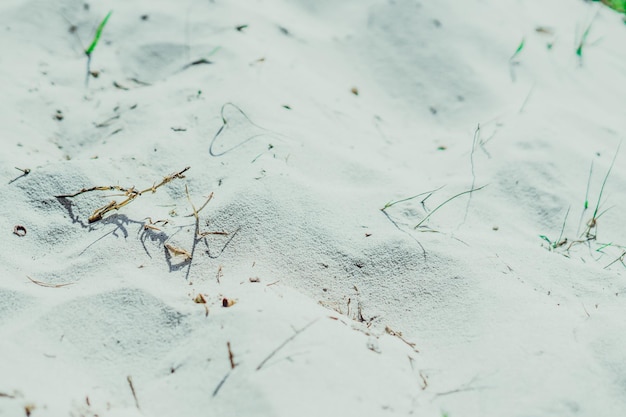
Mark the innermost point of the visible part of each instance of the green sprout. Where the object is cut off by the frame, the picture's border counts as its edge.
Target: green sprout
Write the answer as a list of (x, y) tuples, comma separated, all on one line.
[(512, 61), (583, 39), (94, 43), (560, 241), (591, 224), (96, 38), (518, 50)]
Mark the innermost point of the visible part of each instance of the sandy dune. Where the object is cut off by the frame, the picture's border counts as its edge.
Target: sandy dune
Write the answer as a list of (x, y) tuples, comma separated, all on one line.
[(291, 292)]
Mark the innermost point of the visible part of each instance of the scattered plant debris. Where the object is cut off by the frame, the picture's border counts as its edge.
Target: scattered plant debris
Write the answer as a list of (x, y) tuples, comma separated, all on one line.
[(590, 233)]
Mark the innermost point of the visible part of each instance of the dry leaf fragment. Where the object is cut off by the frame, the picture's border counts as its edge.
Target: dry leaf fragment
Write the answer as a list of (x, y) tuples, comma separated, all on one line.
[(228, 302), (200, 299), (178, 251), (544, 30), (19, 230), (28, 409)]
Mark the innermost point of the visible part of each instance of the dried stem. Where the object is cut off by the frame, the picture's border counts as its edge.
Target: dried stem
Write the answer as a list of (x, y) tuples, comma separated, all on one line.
[(130, 193), (48, 285), (132, 389), (231, 357)]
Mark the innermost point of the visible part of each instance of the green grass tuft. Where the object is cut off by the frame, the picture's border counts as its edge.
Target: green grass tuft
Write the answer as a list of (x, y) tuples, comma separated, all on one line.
[(583, 40), (618, 5)]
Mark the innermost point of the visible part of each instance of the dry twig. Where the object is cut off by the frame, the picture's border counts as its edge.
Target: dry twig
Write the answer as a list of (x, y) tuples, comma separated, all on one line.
[(130, 193), (231, 357), (397, 334), (132, 389)]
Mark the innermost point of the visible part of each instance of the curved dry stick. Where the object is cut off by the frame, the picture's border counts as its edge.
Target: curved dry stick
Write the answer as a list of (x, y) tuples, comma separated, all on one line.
[(225, 123)]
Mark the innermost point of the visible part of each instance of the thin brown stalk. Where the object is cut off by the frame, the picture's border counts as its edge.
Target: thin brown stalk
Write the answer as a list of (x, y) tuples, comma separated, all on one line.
[(130, 193), (48, 285)]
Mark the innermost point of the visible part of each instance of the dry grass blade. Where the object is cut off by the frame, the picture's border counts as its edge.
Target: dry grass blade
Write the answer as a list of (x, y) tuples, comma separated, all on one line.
[(196, 213), (620, 259), (48, 285)]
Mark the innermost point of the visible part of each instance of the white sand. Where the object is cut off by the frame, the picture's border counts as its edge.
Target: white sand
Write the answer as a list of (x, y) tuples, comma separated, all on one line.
[(482, 318)]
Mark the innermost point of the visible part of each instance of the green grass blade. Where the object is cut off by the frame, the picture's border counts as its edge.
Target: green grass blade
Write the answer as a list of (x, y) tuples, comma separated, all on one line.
[(583, 39), (586, 204), (518, 50), (606, 245), (544, 237), (563, 227), (588, 184), (446, 202), (393, 203), (96, 38), (595, 212)]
